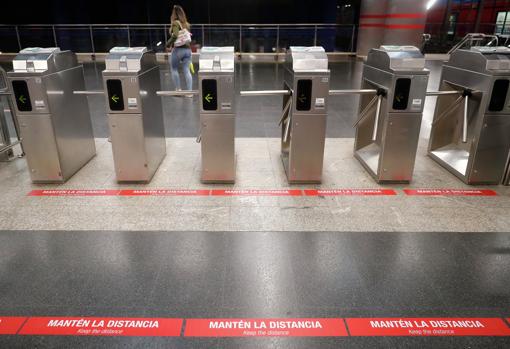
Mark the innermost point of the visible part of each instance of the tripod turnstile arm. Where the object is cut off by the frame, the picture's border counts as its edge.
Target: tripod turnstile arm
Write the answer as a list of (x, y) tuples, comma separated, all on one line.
[(365, 111), (352, 92), (377, 116), (465, 120), (267, 93), (176, 93), (451, 108), (285, 112), (443, 93), (96, 92)]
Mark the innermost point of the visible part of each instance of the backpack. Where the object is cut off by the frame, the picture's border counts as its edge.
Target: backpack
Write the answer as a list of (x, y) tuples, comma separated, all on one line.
[(183, 38)]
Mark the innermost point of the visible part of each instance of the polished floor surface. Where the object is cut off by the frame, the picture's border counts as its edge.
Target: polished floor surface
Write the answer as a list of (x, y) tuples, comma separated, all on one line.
[(254, 274), (252, 256)]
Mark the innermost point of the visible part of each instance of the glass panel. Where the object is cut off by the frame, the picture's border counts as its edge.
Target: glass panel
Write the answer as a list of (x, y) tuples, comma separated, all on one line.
[(107, 37), (296, 36), (222, 36), (36, 37), (152, 38), (259, 39), (76, 39), (8, 39), (335, 38)]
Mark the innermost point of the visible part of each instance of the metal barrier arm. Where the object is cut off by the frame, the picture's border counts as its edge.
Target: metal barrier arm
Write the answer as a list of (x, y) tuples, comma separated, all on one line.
[(87, 93), (466, 94), (380, 94), (352, 92), (365, 111), (285, 112), (267, 93), (177, 93)]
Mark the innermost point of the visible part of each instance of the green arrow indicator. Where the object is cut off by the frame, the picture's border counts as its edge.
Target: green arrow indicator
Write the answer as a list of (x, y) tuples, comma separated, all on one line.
[(22, 99), (208, 98), (115, 98), (302, 99)]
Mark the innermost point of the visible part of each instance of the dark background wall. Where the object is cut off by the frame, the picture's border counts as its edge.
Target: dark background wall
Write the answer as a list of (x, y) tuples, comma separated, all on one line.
[(158, 11)]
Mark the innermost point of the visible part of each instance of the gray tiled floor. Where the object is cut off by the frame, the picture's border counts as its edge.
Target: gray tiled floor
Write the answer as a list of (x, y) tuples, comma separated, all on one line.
[(253, 274), (258, 167)]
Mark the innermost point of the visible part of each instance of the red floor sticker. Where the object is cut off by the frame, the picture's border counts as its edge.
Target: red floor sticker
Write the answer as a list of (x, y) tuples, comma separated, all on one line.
[(349, 192), (73, 192), (10, 325), (427, 327), (262, 192), (450, 192), (95, 326), (165, 192), (265, 328)]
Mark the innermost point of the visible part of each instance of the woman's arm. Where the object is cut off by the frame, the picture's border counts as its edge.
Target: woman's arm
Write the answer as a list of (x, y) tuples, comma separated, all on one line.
[(174, 33)]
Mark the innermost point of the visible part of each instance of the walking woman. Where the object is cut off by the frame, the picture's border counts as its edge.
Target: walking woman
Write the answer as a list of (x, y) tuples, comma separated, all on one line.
[(179, 44)]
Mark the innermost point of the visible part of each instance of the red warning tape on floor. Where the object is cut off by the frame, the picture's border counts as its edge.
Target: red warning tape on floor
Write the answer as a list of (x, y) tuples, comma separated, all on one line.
[(314, 327), (165, 192), (74, 192), (102, 326), (427, 327), (11, 324), (262, 192), (450, 192), (349, 192)]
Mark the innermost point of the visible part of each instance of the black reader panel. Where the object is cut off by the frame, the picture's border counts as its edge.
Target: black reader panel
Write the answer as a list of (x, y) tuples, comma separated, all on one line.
[(115, 97), (304, 95), (209, 94), (22, 96)]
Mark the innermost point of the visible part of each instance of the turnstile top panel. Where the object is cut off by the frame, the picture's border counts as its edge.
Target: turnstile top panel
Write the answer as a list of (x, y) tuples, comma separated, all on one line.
[(307, 59), (482, 59), (129, 59), (397, 59), (43, 60), (217, 59)]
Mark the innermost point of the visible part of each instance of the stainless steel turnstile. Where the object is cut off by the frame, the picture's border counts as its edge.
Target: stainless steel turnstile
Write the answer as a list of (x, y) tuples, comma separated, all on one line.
[(54, 123), (216, 79), (135, 115), (506, 179), (305, 101), (388, 125), (471, 126), (6, 143)]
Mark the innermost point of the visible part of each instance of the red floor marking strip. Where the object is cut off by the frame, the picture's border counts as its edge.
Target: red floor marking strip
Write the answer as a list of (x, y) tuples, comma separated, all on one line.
[(262, 192), (11, 324), (349, 192), (105, 326), (450, 192), (265, 328), (165, 192), (74, 192), (427, 327)]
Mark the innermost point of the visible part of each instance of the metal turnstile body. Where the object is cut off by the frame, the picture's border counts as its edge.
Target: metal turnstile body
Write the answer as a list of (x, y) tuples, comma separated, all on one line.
[(388, 126), (135, 114), (6, 152), (55, 124), (216, 79), (473, 142), (307, 75)]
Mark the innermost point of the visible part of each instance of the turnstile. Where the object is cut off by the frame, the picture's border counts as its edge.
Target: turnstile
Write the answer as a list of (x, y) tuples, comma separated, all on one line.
[(506, 179), (303, 121), (473, 141), (216, 79), (6, 143), (135, 115), (55, 124), (389, 120)]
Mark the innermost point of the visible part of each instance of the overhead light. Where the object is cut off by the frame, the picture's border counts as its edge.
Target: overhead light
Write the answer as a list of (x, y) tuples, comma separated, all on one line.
[(430, 4)]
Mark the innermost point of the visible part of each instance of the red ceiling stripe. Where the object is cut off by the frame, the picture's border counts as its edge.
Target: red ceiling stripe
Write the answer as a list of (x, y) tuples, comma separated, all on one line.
[(395, 15), (392, 26)]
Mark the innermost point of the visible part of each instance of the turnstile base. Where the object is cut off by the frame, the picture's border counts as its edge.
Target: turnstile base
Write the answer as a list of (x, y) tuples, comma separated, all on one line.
[(290, 180), (369, 159)]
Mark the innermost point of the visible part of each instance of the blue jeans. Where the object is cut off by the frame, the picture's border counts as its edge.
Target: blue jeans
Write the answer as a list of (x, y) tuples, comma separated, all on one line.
[(181, 55)]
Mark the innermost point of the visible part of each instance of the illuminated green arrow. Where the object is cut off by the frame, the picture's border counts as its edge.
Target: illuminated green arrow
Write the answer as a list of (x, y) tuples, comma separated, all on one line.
[(22, 99), (208, 98), (302, 99), (115, 98)]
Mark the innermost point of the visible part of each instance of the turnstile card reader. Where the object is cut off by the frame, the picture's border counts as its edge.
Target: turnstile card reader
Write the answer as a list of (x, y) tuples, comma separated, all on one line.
[(55, 124), (216, 78), (470, 131), (303, 122), (388, 125), (135, 114)]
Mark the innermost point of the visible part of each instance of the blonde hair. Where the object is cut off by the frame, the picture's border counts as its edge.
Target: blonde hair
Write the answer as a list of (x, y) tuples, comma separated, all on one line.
[(178, 14)]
